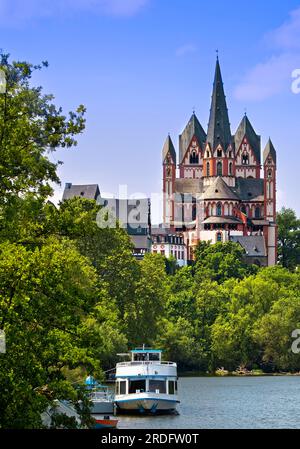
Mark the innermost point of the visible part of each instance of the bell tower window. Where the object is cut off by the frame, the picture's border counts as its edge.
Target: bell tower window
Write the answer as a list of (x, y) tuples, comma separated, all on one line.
[(245, 159), (194, 158), (257, 212), (219, 209), (208, 169), (219, 169)]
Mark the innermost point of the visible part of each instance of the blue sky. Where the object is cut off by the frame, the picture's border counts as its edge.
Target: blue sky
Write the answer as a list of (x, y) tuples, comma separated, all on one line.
[(141, 66)]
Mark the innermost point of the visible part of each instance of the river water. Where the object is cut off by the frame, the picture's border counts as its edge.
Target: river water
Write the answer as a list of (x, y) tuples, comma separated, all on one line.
[(230, 403)]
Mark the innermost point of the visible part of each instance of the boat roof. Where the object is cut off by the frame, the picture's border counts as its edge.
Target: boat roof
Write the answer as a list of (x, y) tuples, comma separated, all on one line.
[(145, 350)]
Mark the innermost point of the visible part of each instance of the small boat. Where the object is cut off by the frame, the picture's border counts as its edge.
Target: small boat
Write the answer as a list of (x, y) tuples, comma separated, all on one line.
[(102, 399), (106, 423), (146, 384)]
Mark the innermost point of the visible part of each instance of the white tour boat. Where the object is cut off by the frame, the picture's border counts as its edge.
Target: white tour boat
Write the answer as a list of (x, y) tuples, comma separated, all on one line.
[(146, 383)]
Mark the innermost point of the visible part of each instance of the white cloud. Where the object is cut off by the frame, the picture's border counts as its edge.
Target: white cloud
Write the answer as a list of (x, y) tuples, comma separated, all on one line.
[(19, 11), (186, 49), (268, 78), (274, 75), (287, 36)]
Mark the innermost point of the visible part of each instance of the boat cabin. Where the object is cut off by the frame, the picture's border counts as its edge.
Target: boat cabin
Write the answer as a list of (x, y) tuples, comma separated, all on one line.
[(146, 355)]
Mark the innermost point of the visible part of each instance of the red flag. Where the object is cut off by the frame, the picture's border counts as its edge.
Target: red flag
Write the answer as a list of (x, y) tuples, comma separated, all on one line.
[(241, 215)]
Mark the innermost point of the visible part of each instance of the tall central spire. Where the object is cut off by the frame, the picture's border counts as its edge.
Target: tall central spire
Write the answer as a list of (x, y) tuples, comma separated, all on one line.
[(218, 126)]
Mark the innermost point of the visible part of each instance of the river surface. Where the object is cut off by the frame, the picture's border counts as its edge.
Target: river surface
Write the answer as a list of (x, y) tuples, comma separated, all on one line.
[(230, 403)]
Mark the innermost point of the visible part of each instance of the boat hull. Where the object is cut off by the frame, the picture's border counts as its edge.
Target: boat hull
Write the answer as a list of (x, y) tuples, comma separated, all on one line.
[(100, 408), (106, 424), (144, 404)]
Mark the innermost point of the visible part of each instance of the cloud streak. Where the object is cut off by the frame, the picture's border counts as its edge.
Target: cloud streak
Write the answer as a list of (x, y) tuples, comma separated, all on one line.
[(14, 12), (274, 75), (186, 49)]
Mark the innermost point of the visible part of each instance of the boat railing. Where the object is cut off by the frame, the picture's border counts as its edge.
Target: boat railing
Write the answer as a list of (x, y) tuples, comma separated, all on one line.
[(101, 394), (145, 362)]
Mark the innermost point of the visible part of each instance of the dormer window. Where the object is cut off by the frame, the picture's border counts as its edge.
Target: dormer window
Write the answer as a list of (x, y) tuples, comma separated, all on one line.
[(207, 153), (219, 153), (230, 154)]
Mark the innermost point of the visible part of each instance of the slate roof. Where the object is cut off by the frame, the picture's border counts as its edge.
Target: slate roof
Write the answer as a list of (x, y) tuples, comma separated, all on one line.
[(270, 150), (218, 126), (254, 245), (169, 148), (246, 129), (220, 220), (89, 191), (219, 190), (193, 128), (249, 189), (134, 213), (141, 241)]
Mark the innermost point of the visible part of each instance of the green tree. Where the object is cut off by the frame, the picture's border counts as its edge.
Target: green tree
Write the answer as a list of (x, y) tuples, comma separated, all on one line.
[(288, 238), (221, 261), (147, 306), (31, 126), (45, 295)]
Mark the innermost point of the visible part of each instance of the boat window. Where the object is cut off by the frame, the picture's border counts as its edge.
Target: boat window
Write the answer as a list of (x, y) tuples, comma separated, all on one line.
[(153, 356), (123, 387), (176, 387), (171, 387), (137, 386), (140, 357), (157, 386)]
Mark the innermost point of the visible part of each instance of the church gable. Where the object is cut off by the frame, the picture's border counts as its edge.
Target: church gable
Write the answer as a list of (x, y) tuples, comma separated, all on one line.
[(193, 154)]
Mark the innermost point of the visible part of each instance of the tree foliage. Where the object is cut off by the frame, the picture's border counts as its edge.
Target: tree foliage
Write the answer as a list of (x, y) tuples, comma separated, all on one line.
[(288, 238)]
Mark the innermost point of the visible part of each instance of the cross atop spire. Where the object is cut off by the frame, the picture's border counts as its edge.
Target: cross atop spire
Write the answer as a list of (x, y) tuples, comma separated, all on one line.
[(218, 127)]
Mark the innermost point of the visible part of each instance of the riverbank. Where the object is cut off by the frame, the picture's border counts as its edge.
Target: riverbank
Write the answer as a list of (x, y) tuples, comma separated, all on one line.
[(255, 373)]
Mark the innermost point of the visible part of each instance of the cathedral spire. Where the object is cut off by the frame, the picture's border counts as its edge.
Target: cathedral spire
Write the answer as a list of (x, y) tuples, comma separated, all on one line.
[(218, 126)]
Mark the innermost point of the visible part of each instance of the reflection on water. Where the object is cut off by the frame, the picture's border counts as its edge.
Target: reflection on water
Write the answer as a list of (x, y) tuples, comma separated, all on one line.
[(229, 402)]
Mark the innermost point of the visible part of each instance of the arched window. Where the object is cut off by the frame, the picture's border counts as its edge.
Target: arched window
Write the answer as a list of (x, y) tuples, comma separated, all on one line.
[(219, 169), (194, 158), (207, 169), (219, 237), (270, 174), (219, 209), (243, 209), (207, 153), (257, 212), (194, 212), (230, 154), (230, 169), (245, 159)]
